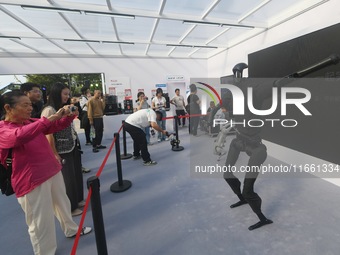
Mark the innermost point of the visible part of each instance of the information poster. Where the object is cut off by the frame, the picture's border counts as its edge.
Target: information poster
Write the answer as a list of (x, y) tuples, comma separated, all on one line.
[(117, 86), (112, 91), (128, 94)]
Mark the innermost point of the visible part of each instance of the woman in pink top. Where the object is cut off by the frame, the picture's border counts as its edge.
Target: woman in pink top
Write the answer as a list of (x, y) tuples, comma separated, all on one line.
[(36, 177)]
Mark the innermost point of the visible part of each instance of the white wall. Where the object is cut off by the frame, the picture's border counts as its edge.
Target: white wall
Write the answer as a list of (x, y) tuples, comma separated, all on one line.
[(323, 16), (143, 73), (315, 19)]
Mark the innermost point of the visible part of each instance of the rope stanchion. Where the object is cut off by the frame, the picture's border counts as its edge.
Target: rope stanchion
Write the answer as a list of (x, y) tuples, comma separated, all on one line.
[(89, 195), (121, 185), (97, 215), (125, 155), (175, 143)]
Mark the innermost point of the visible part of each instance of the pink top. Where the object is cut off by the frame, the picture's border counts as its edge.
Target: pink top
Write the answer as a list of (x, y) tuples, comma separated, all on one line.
[(33, 161)]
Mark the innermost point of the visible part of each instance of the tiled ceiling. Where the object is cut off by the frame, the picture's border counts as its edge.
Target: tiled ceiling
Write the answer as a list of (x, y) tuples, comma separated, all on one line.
[(140, 28)]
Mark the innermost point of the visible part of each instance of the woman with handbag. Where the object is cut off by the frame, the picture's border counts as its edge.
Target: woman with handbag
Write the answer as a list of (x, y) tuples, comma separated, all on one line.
[(36, 176)]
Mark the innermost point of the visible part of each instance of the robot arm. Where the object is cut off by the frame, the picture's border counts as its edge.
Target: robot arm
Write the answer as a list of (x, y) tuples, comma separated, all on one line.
[(221, 138), (331, 60)]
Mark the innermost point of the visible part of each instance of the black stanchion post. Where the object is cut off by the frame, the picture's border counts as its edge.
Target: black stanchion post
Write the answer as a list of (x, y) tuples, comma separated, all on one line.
[(97, 215), (176, 146), (121, 185), (125, 155)]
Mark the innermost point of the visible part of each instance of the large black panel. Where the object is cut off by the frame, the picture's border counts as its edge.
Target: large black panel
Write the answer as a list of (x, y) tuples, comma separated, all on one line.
[(320, 137)]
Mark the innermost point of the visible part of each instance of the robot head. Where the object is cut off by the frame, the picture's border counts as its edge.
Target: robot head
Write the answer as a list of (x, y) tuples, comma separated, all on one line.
[(238, 70)]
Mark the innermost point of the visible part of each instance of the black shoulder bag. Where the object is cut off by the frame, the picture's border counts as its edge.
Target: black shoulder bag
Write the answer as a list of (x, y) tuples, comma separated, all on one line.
[(5, 176)]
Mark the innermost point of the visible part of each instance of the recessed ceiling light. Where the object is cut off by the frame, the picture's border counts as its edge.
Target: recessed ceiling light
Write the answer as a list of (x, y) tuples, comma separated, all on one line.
[(45, 8)]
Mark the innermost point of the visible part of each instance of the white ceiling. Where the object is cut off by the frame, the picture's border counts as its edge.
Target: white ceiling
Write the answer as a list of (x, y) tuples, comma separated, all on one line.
[(156, 23)]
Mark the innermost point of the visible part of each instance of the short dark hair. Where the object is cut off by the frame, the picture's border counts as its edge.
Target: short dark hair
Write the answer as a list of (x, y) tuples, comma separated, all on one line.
[(84, 89), (140, 93), (159, 90), (25, 87), (176, 90), (193, 88)]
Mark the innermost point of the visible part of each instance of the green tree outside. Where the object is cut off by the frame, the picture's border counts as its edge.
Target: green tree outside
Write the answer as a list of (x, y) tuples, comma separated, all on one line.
[(74, 81)]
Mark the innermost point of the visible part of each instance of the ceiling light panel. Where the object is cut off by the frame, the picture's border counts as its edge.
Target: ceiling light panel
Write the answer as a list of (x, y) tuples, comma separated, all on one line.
[(292, 10), (192, 8), (158, 50), (232, 9), (100, 28), (43, 46), (182, 51), (136, 49), (203, 53), (229, 35), (78, 3), (77, 47), (49, 23), (201, 34), (50, 9), (169, 31), (10, 26), (138, 29), (11, 46), (272, 9), (145, 5), (106, 49)]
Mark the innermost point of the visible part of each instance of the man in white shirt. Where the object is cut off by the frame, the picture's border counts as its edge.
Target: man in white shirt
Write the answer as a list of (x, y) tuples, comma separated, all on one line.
[(135, 125), (178, 101)]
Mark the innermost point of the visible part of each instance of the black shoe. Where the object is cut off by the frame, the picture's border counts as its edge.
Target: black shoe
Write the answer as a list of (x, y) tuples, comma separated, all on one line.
[(137, 157), (239, 203), (95, 150), (101, 147), (88, 143), (260, 224)]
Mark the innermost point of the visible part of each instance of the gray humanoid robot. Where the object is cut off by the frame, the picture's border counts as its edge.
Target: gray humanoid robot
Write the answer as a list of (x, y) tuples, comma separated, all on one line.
[(248, 139)]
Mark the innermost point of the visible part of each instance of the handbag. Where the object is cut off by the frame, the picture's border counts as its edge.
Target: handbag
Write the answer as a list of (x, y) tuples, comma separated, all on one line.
[(5, 176)]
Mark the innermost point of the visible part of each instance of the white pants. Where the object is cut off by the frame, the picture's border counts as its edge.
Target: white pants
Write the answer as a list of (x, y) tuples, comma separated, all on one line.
[(40, 206)]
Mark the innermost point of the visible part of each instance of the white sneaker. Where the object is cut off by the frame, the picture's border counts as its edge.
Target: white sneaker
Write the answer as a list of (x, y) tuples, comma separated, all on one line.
[(85, 170), (159, 140), (150, 163), (85, 231), (167, 139)]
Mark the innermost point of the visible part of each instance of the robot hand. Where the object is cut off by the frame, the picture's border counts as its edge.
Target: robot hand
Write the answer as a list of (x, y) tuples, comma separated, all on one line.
[(220, 140)]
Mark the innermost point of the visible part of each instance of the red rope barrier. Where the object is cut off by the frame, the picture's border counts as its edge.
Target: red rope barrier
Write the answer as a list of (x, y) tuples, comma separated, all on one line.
[(81, 223), (107, 155), (184, 116)]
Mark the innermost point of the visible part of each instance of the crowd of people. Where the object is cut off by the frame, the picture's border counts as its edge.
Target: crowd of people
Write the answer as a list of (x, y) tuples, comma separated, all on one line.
[(31, 128), (47, 172)]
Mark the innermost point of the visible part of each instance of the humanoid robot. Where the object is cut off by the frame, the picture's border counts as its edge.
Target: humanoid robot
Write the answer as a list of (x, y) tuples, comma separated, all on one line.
[(248, 139)]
